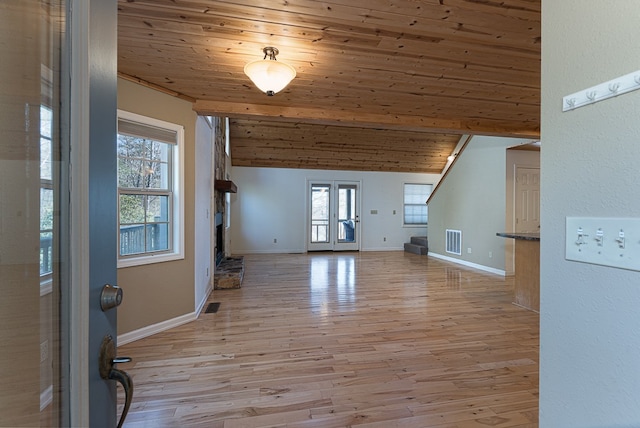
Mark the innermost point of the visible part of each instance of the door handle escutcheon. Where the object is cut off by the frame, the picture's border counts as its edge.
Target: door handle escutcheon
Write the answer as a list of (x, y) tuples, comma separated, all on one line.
[(108, 371)]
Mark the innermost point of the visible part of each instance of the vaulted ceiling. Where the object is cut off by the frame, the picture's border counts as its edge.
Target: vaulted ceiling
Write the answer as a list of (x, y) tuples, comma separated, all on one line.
[(420, 72)]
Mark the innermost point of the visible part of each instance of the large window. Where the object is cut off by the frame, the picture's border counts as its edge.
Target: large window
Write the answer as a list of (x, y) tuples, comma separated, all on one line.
[(415, 206), (150, 201)]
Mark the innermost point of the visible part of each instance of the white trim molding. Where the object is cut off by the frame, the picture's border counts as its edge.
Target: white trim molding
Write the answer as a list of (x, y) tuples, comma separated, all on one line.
[(150, 330), (468, 264), (204, 299)]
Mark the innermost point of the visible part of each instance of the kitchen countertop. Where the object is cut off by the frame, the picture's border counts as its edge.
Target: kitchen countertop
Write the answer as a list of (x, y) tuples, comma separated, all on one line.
[(533, 236)]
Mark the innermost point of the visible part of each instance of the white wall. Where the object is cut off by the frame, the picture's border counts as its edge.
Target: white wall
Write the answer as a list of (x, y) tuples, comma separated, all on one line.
[(472, 198), (271, 204), (590, 315), (203, 211)]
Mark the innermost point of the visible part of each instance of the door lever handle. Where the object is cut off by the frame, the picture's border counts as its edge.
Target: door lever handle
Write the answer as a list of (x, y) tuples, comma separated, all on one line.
[(108, 360), (126, 382)]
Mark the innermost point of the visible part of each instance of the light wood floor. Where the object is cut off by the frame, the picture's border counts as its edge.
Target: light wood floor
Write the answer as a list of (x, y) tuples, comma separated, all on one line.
[(368, 339)]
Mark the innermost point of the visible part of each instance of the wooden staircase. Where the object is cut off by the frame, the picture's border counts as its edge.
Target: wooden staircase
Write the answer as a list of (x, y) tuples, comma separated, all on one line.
[(418, 245)]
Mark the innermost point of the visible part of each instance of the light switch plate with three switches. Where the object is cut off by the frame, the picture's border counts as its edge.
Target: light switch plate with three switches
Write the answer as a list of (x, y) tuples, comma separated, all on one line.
[(606, 241)]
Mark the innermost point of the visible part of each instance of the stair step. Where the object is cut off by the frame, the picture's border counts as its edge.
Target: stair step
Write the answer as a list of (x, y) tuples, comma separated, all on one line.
[(415, 249), (420, 240)]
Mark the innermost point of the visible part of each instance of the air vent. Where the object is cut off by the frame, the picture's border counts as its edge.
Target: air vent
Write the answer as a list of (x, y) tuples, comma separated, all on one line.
[(212, 308), (453, 242)]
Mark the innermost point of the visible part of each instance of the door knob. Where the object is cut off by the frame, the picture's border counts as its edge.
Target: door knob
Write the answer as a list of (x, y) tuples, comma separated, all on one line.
[(108, 360)]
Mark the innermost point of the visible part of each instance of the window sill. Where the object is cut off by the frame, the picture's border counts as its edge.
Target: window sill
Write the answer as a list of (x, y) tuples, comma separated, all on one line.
[(149, 259)]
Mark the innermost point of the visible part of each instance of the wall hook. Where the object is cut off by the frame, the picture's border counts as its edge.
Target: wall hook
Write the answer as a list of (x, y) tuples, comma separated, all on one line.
[(602, 91)]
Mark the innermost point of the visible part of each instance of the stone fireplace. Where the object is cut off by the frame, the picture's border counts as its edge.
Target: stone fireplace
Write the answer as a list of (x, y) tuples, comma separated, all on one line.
[(228, 270)]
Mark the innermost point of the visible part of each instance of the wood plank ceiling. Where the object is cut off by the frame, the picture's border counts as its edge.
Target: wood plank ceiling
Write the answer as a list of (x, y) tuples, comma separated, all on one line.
[(381, 85)]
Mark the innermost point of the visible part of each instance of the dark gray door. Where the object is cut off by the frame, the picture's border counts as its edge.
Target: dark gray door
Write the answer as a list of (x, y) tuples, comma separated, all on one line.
[(102, 197)]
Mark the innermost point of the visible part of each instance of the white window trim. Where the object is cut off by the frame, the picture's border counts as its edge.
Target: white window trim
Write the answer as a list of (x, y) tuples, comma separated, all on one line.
[(178, 195), (414, 225)]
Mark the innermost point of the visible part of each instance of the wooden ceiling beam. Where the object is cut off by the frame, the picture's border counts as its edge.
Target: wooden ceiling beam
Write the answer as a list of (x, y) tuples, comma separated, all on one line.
[(341, 117)]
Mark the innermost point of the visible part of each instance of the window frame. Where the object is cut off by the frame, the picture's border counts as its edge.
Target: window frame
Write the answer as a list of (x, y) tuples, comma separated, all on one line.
[(176, 192), (404, 204)]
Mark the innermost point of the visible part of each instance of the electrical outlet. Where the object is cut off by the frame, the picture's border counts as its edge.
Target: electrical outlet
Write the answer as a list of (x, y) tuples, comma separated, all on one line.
[(469, 250), (275, 241), (44, 351), (490, 254)]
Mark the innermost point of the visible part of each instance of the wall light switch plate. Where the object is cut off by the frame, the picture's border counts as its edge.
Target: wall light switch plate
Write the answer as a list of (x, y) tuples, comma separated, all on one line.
[(605, 241)]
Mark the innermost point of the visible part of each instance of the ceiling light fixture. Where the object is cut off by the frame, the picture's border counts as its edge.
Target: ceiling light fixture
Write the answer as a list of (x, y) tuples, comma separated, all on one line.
[(270, 75)]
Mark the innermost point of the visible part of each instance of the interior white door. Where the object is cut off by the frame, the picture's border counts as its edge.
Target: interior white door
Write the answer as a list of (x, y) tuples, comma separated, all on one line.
[(527, 200)]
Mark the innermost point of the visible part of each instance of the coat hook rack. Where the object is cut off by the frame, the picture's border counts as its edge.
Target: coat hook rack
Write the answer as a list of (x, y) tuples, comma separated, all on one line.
[(621, 85)]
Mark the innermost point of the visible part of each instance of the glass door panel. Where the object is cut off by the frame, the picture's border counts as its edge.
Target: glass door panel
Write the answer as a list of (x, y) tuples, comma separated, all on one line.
[(320, 211), (31, 237), (346, 213), (347, 217)]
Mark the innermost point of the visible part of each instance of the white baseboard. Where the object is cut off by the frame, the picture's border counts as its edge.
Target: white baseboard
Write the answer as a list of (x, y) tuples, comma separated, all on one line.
[(290, 251), (46, 397), (466, 263), (383, 249), (156, 328), (298, 251), (204, 299), (150, 330)]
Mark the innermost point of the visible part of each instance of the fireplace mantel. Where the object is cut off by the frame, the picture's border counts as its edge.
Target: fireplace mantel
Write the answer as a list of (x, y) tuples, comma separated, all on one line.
[(226, 186)]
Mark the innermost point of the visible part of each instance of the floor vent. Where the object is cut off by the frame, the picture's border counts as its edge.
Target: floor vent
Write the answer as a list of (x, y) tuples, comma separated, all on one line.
[(212, 308), (453, 242)]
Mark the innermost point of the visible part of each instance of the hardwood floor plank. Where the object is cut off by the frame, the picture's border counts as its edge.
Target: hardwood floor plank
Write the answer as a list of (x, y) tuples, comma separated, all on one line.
[(328, 340)]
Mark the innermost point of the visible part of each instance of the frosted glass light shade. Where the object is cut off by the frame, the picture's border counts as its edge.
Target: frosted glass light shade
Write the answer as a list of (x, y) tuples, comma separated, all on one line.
[(269, 75)]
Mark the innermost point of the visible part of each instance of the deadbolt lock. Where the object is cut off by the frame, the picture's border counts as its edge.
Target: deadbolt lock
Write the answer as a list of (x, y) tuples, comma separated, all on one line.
[(110, 297)]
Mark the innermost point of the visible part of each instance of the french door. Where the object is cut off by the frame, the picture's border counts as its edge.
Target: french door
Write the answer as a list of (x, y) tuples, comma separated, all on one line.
[(334, 216)]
